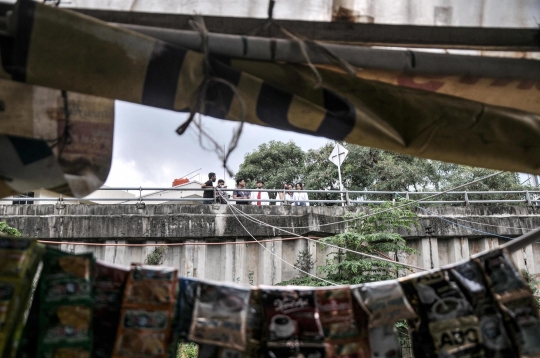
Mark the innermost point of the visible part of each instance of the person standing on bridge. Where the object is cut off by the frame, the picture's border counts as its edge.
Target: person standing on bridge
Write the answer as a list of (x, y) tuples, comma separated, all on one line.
[(260, 195), (209, 194), (300, 198), (239, 193)]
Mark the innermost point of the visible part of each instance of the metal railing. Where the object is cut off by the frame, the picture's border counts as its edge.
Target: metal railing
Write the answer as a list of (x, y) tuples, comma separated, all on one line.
[(530, 197)]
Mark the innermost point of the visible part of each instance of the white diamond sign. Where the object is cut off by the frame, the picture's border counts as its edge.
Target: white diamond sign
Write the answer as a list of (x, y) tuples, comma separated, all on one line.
[(338, 155)]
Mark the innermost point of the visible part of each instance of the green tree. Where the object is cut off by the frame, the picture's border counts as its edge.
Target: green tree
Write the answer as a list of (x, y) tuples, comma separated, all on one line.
[(368, 169), (376, 235), (275, 163), (6, 229)]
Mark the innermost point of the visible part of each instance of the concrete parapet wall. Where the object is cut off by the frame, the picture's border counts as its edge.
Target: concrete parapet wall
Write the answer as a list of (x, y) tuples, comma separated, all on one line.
[(242, 260)]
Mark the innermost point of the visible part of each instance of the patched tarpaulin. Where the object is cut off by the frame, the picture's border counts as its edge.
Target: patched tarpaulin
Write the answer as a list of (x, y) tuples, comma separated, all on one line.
[(38, 151), (60, 49)]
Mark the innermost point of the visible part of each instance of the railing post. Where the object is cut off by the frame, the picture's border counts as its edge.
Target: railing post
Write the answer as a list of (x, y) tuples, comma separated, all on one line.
[(348, 202), (528, 197), (140, 204), (467, 199), (393, 197), (407, 195)]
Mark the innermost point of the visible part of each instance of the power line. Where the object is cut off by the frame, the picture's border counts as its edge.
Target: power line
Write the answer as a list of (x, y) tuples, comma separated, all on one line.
[(278, 257), (399, 206), (327, 244)]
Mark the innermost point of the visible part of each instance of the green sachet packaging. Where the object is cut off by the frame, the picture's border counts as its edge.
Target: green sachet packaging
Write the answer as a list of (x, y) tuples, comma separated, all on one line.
[(66, 305), (19, 261)]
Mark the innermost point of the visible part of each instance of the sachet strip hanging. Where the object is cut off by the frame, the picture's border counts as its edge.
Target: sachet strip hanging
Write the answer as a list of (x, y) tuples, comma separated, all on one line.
[(65, 305), (19, 260), (515, 299), (60, 49), (481, 307), (385, 304), (147, 312)]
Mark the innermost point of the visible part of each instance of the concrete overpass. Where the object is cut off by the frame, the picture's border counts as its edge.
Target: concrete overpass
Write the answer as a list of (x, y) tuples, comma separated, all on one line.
[(210, 243)]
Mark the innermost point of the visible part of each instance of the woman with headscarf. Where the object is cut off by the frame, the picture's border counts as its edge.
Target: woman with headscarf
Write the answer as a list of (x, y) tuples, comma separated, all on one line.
[(300, 198)]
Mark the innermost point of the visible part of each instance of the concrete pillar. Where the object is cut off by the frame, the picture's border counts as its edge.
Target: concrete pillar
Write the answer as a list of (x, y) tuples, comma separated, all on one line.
[(240, 263), (290, 254), (529, 256), (134, 255), (229, 258), (194, 260), (487, 243), (199, 268), (519, 259), (425, 257), (173, 258), (269, 265), (67, 248), (253, 255), (458, 249)]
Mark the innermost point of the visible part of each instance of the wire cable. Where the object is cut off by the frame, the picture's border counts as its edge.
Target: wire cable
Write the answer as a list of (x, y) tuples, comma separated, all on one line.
[(402, 205), (479, 223), (327, 244), (460, 225), (278, 257)]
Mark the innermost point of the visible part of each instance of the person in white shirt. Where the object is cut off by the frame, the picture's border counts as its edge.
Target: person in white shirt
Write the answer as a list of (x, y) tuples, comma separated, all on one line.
[(300, 198), (281, 195), (289, 195), (259, 195)]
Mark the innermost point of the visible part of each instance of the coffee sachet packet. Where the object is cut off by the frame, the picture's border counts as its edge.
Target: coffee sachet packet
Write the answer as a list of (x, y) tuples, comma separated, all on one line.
[(109, 285), (19, 261), (515, 299), (187, 292), (336, 314), (66, 303), (220, 315), (385, 304), (469, 277), (437, 299), (147, 312), (151, 285), (290, 314), (143, 332)]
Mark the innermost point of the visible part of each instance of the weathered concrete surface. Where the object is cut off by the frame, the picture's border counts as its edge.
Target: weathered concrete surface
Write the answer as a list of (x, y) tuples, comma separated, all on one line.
[(171, 221), (235, 257)]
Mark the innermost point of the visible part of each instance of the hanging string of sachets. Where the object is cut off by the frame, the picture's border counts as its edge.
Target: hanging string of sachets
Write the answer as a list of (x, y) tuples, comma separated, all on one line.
[(80, 308)]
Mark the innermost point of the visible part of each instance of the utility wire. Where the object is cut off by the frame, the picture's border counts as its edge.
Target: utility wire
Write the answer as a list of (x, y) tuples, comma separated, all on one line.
[(362, 217), (273, 254), (412, 202), (479, 223), (327, 244)]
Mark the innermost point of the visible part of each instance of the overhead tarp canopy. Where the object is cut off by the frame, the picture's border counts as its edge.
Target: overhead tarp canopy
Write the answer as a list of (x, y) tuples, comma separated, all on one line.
[(63, 50)]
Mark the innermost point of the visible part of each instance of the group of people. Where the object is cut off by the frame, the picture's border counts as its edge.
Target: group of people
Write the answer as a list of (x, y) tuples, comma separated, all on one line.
[(258, 197)]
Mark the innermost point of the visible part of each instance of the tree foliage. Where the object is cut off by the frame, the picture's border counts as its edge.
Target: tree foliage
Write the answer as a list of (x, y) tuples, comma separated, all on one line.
[(367, 169), (275, 163), (6, 229), (376, 235)]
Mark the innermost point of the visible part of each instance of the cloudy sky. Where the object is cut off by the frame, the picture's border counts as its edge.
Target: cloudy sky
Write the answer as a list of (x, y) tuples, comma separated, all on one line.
[(147, 151)]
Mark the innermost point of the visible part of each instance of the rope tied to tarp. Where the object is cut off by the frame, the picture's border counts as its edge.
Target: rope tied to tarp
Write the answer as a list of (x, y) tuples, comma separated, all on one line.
[(200, 100), (303, 42), (65, 138)]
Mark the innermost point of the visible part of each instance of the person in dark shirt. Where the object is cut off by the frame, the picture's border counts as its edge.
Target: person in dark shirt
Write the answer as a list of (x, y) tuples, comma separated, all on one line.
[(221, 195), (209, 194), (239, 193)]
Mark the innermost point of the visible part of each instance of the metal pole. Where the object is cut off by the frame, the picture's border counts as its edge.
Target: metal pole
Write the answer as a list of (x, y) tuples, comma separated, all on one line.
[(339, 173)]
